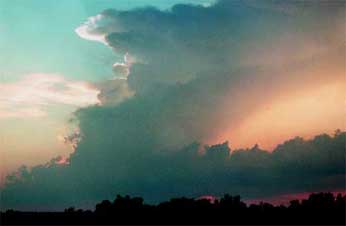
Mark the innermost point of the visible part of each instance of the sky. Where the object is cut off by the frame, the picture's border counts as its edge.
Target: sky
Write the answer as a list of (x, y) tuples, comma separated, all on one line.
[(166, 98), (40, 53)]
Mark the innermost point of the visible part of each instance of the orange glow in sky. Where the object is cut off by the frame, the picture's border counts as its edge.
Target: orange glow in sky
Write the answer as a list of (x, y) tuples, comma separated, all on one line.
[(299, 114)]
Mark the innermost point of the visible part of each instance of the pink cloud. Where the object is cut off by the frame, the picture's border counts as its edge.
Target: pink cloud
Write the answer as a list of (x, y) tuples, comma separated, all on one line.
[(30, 96)]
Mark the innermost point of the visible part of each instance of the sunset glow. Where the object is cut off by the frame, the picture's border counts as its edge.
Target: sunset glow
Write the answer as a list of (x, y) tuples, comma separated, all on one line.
[(303, 113), (162, 99)]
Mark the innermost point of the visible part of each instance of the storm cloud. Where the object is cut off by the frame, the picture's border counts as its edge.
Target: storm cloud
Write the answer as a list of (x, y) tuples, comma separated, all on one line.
[(189, 73), (295, 166), (205, 69)]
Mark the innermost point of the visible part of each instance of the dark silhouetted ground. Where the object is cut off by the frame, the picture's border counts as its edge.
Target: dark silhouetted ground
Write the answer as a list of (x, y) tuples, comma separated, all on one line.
[(318, 209)]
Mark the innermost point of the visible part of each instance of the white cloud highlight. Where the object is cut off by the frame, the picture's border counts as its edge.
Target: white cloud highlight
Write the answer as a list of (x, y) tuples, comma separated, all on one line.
[(85, 31), (96, 28)]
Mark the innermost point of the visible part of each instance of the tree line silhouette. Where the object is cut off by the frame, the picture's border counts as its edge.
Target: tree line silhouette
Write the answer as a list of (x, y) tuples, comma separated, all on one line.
[(318, 208)]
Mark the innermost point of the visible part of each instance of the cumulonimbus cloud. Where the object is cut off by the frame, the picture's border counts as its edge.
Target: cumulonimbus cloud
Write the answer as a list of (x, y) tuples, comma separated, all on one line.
[(198, 70), (223, 61)]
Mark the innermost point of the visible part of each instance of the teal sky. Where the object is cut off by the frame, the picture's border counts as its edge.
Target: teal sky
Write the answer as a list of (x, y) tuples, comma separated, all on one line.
[(38, 36)]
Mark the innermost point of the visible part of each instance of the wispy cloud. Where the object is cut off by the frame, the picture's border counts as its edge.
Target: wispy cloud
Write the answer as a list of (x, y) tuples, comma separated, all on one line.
[(30, 96)]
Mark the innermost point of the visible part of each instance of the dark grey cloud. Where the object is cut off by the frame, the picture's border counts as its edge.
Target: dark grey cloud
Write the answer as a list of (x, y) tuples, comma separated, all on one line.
[(188, 41), (295, 166), (188, 74), (220, 62)]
